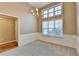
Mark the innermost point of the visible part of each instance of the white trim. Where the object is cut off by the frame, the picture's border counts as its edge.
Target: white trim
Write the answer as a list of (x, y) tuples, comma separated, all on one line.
[(9, 15), (77, 50), (7, 42)]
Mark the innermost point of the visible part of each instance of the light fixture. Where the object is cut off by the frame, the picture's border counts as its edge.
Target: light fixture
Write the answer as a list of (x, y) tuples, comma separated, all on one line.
[(35, 12), (36, 9)]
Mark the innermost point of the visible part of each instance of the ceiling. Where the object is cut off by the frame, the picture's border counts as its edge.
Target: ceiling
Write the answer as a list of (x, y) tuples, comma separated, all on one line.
[(38, 4)]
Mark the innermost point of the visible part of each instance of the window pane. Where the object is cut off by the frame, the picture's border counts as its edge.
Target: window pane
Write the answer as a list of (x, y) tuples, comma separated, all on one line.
[(51, 14), (51, 10), (58, 23), (45, 31), (58, 12), (58, 8), (45, 24), (59, 27), (45, 15), (51, 24), (46, 11), (51, 32), (58, 32)]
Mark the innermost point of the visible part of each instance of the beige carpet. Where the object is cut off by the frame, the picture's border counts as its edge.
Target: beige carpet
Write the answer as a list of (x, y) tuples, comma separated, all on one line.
[(39, 48)]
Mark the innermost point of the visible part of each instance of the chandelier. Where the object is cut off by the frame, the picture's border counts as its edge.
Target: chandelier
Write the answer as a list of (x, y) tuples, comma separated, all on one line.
[(35, 12)]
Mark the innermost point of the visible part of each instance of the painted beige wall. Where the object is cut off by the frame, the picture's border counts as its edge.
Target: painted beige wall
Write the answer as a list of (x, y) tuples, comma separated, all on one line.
[(7, 29), (39, 22), (69, 17)]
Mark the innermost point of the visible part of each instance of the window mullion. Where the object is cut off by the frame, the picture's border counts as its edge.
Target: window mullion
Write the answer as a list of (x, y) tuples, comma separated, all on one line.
[(54, 11), (48, 22), (54, 25)]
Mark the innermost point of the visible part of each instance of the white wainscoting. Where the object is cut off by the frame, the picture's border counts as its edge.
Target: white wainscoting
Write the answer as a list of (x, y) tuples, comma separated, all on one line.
[(27, 38), (66, 40), (77, 44)]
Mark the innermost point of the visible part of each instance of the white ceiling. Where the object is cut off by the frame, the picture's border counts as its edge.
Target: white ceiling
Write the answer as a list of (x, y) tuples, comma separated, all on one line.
[(38, 4)]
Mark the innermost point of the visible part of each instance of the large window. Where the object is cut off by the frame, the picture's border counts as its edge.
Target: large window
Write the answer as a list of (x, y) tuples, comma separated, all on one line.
[(53, 27), (53, 11)]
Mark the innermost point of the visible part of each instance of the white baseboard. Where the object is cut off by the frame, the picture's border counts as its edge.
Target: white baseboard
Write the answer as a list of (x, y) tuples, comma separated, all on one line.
[(7, 42)]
